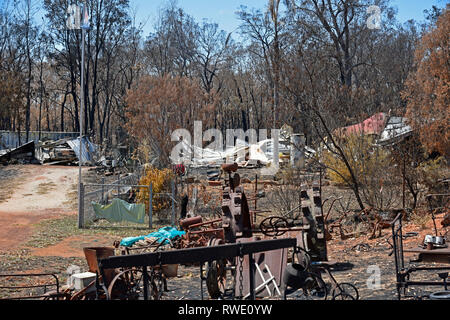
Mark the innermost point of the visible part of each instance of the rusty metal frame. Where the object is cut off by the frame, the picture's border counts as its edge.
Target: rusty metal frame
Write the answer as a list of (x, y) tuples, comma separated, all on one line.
[(402, 272), (56, 284)]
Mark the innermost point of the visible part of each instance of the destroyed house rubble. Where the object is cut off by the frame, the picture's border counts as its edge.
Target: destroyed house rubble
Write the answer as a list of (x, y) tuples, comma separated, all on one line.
[(25, 153), (396, 130), (388, 129), (66, 151), (246, 154)]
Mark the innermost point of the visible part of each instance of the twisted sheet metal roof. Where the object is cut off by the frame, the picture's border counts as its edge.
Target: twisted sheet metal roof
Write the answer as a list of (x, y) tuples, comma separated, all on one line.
[(87, 152)]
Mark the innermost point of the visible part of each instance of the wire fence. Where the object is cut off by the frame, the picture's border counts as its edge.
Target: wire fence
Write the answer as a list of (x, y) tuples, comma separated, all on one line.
[(124, 188), (200, 197)]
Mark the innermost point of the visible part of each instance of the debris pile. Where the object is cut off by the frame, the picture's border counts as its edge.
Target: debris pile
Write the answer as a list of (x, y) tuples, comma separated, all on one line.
[(66, 151), (56, 152), (21, 155)]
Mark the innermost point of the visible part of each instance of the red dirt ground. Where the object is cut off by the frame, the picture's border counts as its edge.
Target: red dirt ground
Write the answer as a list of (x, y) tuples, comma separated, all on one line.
[(17, 227), (41, 193), (72, 247)]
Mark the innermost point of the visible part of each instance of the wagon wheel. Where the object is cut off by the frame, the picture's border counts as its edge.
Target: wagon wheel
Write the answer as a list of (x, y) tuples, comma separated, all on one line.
[(271, 226), (127, 285), (216, 274), (345, 291)]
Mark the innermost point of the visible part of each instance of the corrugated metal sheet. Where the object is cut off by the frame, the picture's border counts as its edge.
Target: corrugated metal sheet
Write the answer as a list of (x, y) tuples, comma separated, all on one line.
[(87, 152), (10, 139), (374, 125), (396, 130)]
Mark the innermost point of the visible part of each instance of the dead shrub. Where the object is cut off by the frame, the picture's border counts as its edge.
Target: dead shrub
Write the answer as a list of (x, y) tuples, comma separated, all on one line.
[(372, 166), (420, 218)]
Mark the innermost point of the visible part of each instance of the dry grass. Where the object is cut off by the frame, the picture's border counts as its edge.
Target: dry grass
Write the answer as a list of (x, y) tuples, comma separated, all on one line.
[(72, 197), (420, 219), (45, 188), (9, 181)]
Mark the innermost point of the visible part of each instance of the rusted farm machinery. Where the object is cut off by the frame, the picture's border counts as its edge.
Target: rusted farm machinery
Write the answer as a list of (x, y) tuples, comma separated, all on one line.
[(224, 277)]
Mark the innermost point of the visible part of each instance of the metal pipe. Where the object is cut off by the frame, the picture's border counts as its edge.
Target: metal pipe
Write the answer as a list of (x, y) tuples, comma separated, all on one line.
[(251, 270), (83, 36)]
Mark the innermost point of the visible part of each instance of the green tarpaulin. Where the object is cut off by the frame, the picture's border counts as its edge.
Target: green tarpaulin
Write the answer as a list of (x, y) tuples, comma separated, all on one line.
[(120, 210)]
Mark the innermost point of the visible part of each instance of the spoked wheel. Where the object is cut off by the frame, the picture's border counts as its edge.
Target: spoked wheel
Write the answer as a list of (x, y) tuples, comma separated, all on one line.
[(129, 285), (274, 226), (216, 274), (314, 288), (126, 285), (345, 291), (156, 283), (216, 279)]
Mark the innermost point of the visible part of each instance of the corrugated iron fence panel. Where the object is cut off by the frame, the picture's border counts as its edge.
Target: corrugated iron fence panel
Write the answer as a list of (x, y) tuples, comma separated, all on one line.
[(10, 139)]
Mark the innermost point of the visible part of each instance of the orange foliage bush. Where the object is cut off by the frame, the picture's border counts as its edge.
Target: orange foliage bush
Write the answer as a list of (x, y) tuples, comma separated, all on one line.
[(428, 89), (160, 180)]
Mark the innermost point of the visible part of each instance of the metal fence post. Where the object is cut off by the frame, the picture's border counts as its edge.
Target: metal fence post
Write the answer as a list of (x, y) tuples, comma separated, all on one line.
[(150, 206), (118, 187), (81, 208), (103, 190), (173, 203)]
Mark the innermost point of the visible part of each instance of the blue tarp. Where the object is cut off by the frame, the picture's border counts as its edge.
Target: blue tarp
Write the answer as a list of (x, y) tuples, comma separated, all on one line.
[(162, 234)]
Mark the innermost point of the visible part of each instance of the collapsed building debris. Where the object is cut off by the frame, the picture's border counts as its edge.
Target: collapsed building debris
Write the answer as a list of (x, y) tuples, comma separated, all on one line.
[(56, 152), (291, 149), (22, 154), (388, 130), (49, 152), (66, 151)]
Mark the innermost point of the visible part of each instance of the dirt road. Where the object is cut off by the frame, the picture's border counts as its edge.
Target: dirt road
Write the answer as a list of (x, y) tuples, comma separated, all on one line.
[(34, 193)]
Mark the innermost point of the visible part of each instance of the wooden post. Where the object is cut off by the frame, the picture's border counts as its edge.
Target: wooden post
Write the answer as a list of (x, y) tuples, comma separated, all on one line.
[(404, 184)]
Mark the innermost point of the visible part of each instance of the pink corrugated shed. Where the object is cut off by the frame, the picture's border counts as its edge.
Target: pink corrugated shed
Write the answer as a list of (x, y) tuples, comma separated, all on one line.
[(374, 125)]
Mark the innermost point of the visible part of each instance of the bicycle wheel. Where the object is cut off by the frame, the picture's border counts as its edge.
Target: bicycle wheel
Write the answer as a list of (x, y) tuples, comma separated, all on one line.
[(345, 291), (314, 288)]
